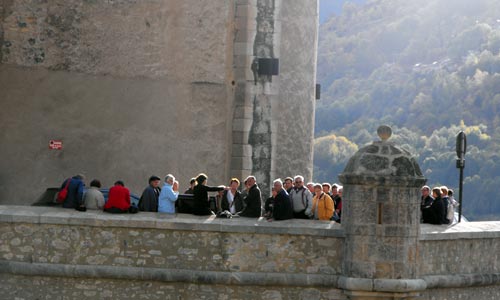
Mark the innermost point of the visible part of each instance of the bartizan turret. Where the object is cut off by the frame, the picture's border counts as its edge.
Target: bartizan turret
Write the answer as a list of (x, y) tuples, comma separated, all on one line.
[(381, 211)]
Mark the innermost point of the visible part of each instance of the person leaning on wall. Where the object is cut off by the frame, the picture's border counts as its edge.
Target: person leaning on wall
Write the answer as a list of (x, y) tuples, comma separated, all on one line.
[(168, 195), (201, 189), (118, 199)]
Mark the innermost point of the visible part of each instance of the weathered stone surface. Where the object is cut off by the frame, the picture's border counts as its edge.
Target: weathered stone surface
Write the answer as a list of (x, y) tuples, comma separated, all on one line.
[(120, 38), (21, 287), (250, 247)]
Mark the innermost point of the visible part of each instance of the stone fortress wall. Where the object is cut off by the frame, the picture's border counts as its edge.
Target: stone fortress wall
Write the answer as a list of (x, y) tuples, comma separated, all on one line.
[(51, 253), (135, 88)]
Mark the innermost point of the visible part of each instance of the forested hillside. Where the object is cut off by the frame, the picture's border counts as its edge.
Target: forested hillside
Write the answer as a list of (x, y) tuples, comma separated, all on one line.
[(428, 68)]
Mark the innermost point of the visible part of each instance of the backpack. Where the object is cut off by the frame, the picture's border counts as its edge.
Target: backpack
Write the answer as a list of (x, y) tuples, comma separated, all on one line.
[(63, 194)]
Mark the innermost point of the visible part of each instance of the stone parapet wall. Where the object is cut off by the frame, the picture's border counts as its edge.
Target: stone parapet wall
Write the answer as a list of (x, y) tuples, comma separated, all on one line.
[(462, 249), (167, 253), (55, 253), (42, 287)]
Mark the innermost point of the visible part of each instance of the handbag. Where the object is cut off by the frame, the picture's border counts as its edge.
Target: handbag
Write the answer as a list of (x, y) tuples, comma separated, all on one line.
[(63, 194)]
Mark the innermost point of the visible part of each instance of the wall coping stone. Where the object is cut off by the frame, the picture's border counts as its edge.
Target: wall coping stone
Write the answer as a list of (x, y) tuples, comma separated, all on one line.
[(382, 285), (94, 218), (461, 280), (463, 230)]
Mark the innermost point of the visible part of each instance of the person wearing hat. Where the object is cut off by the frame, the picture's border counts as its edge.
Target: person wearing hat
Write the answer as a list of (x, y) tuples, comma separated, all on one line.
[(149, 197)]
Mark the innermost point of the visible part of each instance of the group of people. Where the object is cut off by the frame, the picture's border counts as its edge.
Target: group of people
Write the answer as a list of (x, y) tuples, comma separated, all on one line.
[(291, 198), (437, 206), (81, 199)]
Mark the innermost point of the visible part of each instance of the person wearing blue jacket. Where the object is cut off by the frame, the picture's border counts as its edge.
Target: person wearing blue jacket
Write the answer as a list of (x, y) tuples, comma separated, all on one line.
[(75, 192), (168, 195)]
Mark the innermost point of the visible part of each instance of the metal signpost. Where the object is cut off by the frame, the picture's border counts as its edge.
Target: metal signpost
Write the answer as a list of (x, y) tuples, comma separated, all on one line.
[(461, 149)]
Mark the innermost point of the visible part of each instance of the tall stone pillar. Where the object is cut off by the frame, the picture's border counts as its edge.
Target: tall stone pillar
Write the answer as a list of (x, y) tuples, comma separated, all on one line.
[(380, 216)]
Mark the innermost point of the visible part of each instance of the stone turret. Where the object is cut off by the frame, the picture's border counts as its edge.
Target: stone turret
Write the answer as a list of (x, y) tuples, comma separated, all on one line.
[(381, 219)]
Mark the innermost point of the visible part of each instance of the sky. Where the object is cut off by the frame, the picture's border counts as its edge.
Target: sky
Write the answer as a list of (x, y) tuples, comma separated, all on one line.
[(330, 7)]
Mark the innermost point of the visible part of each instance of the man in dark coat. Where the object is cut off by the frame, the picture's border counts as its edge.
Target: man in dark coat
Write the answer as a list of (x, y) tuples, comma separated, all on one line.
[(75, 192), (149, 198), (253, 201), (282, 207), (232, 200)]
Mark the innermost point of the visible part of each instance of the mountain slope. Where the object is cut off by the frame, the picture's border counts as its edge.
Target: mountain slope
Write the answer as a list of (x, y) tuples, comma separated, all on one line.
[(429, 69)]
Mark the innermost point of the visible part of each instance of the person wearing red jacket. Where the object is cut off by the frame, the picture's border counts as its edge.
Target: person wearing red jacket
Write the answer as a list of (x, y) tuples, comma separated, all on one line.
[(118, 199)]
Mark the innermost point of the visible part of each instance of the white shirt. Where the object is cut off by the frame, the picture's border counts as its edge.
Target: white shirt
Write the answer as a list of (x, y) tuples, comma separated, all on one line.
[(230, 199)]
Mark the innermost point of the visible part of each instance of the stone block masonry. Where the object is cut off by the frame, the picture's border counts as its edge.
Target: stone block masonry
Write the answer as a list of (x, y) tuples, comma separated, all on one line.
[(122, 257), (54, 253)]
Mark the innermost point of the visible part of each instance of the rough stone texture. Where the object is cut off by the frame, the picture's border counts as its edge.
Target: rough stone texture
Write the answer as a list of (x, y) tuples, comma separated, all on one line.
[(160, 38), (471, 293), (24, 288), (273, 111), (187, 257), (381, 213), (203, 247), (383, 159), (97, 238), (465, 248)]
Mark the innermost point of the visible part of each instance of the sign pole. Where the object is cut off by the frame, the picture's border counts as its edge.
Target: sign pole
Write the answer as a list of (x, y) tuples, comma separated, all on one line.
[(461, 185), (461, 148)]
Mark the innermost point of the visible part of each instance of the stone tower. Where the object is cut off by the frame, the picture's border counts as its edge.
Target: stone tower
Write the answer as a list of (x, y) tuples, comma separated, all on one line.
[(135, 88), (381, 220)]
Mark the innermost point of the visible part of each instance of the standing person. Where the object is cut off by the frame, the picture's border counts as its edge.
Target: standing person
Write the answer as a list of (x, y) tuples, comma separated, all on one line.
[(168, 195), (310, 187), (232, 200), (268, 205), (451, 207), (118, 199), (282, 207), (74, 199), (327, 189), (337, 201), (150, 195), (93, 198), (446, 202), (323, 206), (190, 190), (301, 199), (425, 204), (253, 201), (288, 184), (437, 213), (201, 204)]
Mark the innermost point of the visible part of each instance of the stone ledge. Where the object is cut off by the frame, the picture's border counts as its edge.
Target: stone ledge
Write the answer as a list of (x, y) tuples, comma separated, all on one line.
[(382, 285), (464, 230), (168, 275), (461, 280), (60, 216)]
